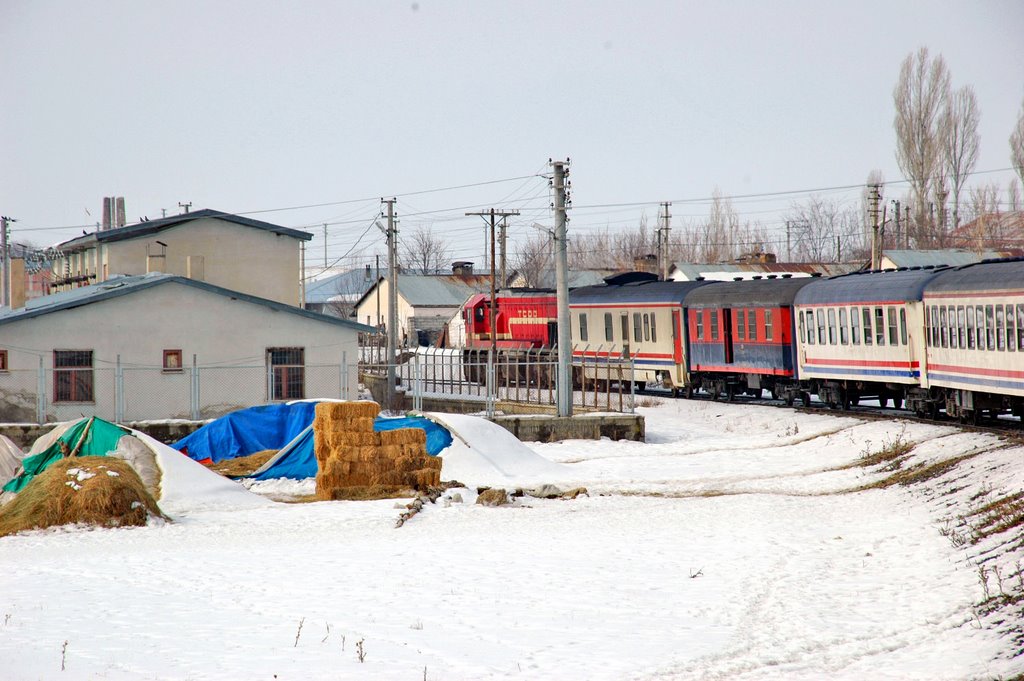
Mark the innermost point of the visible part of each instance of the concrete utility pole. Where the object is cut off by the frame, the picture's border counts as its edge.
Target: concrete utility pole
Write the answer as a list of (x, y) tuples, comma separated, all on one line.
[(503, 240), (325, 246), (663, 249), (5, 260), (789, 252), (896, 241), (392, 234), (876, 247), (562, 202), (494, 214)]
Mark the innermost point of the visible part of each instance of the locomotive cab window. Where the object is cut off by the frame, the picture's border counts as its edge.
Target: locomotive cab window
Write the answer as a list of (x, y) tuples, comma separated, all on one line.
[(855, 325), (583, 327)]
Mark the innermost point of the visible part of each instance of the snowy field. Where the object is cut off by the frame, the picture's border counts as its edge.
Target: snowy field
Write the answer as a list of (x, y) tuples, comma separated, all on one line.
[(728, 546)]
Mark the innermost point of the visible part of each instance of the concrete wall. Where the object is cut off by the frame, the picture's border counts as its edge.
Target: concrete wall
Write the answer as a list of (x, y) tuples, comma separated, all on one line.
[(229, 339)]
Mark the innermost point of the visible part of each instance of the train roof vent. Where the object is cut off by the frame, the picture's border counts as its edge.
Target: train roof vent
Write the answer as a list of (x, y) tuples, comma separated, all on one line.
[(737, 278), (623, 278), (787, 276), (699, 279), (773, 276), (758, 277), (816, 275)]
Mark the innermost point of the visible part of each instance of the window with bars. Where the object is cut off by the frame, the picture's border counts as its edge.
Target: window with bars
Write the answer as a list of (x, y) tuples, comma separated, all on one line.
[(289, 373), (72, 376)]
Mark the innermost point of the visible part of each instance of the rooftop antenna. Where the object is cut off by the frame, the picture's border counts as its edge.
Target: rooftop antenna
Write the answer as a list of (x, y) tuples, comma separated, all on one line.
[(186, 206)]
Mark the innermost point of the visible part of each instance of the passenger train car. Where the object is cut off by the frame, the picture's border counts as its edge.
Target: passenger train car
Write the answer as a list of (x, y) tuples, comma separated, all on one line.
[(633, 316)]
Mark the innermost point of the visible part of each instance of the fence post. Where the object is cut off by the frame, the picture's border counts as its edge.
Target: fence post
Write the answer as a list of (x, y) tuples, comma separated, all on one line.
[(417, 388), (632, 386), (344, 392), (41, 394), (194, 397), (490, 385), (118, 392)]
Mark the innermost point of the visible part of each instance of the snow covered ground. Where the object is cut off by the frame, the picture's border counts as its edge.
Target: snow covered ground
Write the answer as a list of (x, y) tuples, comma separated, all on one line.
[(726, 547)]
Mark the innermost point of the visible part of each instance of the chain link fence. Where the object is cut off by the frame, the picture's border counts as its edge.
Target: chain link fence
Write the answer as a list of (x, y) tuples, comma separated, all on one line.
[(125, 394)]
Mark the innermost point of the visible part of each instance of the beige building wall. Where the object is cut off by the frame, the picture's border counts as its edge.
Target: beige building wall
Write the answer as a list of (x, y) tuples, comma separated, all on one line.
[(368, 310), (254, 261), (228, 338)]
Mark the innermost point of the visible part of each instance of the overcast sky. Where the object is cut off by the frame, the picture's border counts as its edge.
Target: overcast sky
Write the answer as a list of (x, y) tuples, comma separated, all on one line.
[(258, 106)]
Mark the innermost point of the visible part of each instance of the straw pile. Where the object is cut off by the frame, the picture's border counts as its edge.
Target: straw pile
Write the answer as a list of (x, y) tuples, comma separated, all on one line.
[(101, 491), (354, 462)]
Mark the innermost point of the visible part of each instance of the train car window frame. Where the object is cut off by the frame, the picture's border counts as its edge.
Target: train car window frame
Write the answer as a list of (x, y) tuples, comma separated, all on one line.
[(970, 327), (990, 327), (868, 332), (647, 327), (1000, 329), (903, 325), (714, 325), (951, 311), (880, 326), (1020, 327), (979, 329), (844, 329), (933, 325), (654, 329), (832, 326), (961, 333), (810, 326), (698, 321), (768, 325), (741, 325), (819, 317), (1011, 329), (943, 328), (855, 325), (636, 327), (752, 325), (609, 327), (583, 327), (893, 333)]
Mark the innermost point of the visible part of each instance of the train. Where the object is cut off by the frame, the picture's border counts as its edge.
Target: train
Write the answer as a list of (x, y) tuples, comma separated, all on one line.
[(931, 340)]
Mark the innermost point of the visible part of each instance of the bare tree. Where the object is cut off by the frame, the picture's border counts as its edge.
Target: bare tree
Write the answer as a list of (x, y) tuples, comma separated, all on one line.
[(819, 225), (424, 252), (1017, 145), (534, 257), (986, 226), (919, 96), (960, 144), (1013, 195)]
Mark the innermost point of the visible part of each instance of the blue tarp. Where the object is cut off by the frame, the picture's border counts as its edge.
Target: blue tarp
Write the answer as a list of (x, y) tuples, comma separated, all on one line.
[(248, 431), (298, 460)]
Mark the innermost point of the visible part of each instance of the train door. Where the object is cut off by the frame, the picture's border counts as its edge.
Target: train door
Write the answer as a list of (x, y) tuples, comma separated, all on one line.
[(727, 334), (624, 325), (552, 334), (677, 338)]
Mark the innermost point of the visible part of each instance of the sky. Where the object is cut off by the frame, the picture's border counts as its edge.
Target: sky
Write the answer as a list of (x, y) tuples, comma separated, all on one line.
[(261, 108), (726, 546)]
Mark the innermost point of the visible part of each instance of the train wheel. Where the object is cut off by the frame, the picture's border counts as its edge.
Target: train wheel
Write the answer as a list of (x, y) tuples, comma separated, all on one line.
[(730, 393), (789, 399), (805, 397), (688, 392)]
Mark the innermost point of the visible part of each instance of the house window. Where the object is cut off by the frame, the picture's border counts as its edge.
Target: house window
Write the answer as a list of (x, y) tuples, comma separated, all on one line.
[(289, 373), (608, 329), (172, 360), (768, 325), (583, 327), (72, 376), (3, 360)]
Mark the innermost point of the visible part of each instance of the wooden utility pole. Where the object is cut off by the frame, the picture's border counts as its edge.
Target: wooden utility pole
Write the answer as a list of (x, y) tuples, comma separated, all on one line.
[(494, 214), (392, 238)]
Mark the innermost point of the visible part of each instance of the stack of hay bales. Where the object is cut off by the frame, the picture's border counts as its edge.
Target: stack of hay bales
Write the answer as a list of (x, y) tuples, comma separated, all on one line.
[(354, 462)]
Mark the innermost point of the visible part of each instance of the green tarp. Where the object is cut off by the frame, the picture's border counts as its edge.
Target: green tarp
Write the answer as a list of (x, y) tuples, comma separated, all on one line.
[(100, 437)]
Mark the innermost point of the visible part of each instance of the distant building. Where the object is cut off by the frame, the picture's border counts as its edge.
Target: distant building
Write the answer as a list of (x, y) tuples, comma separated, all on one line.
[(29, 276), (952, 257), (336, 293), (759, 267), (999, 231)]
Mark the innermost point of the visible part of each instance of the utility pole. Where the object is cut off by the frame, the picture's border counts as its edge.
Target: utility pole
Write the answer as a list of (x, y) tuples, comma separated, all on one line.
[(789, 252), (562, 201), (5, 260), (503, 240), (325, 246), (906, 227), (874, 197), (186, 206), (663, 249), (494, 215), (896, 241), (392, 235)]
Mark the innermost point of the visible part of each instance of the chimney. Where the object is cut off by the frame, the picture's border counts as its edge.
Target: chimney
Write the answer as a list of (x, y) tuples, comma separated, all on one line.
[(113, 212), (646, 263), (462, 268)]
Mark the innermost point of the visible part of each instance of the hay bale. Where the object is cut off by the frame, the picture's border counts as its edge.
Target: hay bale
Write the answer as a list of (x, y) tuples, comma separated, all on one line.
[(345, 438), (100, 491), (242, 465), (360, 424), (403, 436), (346, 411)]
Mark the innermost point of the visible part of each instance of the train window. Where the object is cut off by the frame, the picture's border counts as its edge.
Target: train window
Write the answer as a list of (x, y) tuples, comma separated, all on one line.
[(636, 327), (979, 314), (1020, 327), (654, 330), (699, 316), (741, 316), (714, 325), (810, 327), (952, 328), (767, 325), (1011, 330), (879, 326), (961, 334), (647, 327), (943, 328), (970, 327), (608, 327), (844, 333), (892, 326), (752, 325), (821, 326), (990, 327), (1000, 329), (855, 325), (583, 327), (867, 325), (831, 326), (932, 324), (903, 325)]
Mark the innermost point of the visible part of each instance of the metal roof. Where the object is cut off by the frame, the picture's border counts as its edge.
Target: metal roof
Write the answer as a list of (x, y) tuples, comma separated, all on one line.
[(120, 286), (639, 292), (350, 285), (867, 287), (772, 292), (984, 276), (435, 290), (154, 226), (952, 257), (727, 271)]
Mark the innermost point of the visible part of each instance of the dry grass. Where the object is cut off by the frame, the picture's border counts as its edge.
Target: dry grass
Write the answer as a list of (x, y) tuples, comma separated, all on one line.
[(242, 465), (1000, 515), (918, 473), (100, 491), (370, 492)]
